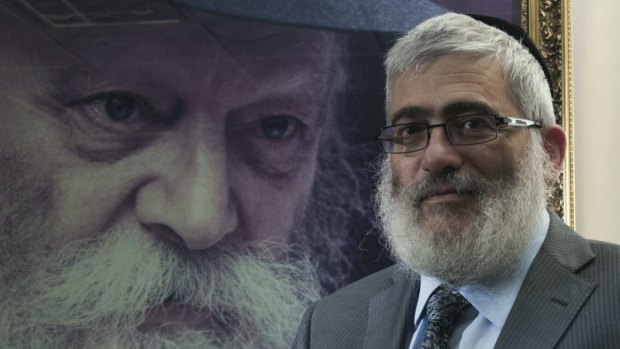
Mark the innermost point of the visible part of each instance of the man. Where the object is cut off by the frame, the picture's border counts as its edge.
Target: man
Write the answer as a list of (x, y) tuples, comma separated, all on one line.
[(156, 166), (481, 262)]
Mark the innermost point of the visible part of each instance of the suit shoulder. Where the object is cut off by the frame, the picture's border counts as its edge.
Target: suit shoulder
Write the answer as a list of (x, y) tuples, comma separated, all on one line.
[(340, 319), (351, 296), (370, 284), (607, 258), (596, 325), (607, 249)]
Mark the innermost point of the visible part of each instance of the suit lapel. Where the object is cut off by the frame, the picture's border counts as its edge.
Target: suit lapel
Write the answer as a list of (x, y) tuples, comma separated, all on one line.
[(551, 294), (390, 315)]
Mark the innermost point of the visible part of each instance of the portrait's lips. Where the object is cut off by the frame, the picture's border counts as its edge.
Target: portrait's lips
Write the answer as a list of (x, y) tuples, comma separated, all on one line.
[(175, 314)]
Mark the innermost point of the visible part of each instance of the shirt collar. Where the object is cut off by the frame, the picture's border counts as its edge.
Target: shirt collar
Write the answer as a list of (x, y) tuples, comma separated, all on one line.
[(493, 303)]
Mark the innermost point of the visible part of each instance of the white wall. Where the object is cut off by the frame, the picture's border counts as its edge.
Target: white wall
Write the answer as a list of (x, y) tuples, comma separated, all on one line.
[(596, 73)]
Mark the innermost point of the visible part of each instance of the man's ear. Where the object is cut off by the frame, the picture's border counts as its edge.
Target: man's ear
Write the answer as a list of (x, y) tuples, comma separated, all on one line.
[(554, 140)]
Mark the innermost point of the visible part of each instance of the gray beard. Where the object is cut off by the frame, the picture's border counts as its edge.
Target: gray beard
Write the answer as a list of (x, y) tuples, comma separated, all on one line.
[(482, 251)]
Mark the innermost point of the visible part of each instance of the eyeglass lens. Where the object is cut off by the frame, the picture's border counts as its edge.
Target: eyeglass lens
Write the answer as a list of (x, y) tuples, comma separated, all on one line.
[(464, 130)]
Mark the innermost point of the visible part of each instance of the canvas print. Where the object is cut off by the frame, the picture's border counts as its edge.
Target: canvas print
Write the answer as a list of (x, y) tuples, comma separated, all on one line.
[(189, 173)]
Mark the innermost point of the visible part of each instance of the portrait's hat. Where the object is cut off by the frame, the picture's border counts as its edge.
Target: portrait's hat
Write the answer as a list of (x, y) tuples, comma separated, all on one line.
[(371, 15)]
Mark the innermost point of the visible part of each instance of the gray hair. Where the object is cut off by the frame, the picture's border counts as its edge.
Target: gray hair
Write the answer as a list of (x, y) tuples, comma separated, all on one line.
[(455, 33)]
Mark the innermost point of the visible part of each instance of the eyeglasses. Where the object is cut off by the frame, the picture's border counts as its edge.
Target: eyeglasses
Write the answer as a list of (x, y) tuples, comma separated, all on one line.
[(461, 130)]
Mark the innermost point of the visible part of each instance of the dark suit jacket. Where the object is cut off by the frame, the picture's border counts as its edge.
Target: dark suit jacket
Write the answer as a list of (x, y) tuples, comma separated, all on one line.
[(570, 298)]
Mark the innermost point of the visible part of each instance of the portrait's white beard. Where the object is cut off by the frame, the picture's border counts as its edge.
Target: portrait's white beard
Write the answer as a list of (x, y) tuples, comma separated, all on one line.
[(95, 293), (481, 250)]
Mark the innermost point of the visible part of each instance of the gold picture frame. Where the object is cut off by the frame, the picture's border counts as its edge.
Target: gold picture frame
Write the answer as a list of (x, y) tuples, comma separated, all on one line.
[(549, 24)]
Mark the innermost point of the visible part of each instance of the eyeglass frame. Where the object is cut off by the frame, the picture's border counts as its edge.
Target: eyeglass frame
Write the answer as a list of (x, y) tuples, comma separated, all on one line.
[(499, 121)]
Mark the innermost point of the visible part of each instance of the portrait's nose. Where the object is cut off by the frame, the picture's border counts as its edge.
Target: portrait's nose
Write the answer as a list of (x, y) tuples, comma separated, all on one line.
[(191, 198), (440, 155)]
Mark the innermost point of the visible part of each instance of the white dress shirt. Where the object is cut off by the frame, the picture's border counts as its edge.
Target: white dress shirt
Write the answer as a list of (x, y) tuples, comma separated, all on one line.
[(481, 324)]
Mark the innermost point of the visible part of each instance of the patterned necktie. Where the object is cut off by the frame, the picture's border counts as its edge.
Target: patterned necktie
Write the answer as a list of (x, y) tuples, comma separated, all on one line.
[(442, 310)]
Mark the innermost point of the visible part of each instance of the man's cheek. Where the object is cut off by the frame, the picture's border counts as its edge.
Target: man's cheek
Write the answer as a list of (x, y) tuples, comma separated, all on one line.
[(403, 170)]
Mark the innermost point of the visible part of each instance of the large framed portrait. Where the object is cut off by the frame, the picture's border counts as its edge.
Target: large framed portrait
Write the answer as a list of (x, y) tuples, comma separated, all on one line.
[(176, 168)]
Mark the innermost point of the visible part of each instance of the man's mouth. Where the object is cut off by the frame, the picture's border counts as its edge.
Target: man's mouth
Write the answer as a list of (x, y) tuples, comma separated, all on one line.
[(442, 195)]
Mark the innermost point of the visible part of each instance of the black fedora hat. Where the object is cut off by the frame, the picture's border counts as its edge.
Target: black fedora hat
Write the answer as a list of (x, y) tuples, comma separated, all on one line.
[(370, 15)]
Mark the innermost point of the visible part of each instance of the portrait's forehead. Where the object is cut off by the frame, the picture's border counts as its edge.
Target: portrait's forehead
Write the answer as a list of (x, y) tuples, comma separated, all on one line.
[(97, 24), (245, 28)]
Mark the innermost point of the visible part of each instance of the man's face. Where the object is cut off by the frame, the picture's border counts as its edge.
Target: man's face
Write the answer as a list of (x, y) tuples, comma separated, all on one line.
[(443, 207), (189, 141), (450, 87)]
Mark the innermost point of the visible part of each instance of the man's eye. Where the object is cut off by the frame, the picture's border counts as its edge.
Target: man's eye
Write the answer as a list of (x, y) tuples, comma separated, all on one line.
[(476, 123), (472, 124), (279, 126), (408, 130)]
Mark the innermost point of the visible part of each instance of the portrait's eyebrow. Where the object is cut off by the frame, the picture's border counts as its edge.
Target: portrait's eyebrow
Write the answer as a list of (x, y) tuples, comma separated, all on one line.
[(410, 112), (55, 91), (473, 107), (65, 84)]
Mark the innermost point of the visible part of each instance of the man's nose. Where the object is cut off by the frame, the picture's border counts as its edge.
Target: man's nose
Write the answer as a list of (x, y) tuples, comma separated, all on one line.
[(191, 198), (440, 155)]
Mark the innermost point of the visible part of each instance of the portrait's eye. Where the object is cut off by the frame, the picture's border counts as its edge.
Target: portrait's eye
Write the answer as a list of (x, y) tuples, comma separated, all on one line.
[(108, 108), (279, 126), (110, 125), (118, 107), (116, 112), (273, 144)]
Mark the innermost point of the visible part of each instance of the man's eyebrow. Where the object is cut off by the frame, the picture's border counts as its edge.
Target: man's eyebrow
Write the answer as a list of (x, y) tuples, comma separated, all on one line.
[(410, 112), (474, 107), (450, 110)]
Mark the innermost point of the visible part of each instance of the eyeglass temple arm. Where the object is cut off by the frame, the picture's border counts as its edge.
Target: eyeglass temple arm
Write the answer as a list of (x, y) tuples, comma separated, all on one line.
[(512, 121)]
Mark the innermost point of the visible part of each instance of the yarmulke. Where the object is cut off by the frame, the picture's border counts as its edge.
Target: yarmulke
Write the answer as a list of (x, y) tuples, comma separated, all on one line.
[(520, 35)]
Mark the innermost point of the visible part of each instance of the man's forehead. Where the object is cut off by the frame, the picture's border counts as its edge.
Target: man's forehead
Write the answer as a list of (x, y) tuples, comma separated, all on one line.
[(452, 68), (448, 85)]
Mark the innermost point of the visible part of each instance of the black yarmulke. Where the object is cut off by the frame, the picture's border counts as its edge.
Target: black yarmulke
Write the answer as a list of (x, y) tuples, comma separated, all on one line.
[(520, 35)]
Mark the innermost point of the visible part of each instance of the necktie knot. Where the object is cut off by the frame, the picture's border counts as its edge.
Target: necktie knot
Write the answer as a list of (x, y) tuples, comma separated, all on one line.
[(442, 311)]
